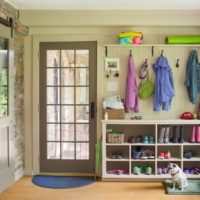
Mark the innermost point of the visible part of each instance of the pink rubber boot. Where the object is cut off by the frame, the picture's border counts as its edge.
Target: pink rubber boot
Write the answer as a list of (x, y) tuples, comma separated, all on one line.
[(198, 135), (192, 136)]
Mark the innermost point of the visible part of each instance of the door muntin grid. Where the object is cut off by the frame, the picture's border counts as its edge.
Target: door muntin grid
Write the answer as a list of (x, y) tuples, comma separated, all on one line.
[(67, 104)]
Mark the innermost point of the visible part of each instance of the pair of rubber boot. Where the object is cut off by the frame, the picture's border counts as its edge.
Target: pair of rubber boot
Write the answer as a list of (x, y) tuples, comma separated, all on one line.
[(177, 135), (177, 131), (195, 135), (164, 135)]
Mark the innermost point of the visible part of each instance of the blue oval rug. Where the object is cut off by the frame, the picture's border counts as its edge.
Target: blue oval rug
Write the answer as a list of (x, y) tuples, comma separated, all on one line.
[(61, 182)]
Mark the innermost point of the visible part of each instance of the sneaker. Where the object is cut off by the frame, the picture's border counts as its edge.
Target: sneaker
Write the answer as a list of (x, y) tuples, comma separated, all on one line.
[(151, 140), (166, 136), (143, 155), (167, 155), (137, 170), (159, 170), (145, 140), (161, 155), (136, 152), (139, 139), (164, 170), (148, 170)]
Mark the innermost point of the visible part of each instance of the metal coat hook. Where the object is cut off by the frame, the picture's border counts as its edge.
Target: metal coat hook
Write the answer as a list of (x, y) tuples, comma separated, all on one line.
[(130, 52), (162, 51), (177, 63), (106, 51), (152, 51)]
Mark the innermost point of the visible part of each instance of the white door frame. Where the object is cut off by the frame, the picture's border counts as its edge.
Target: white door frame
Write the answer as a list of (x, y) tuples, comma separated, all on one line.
[(7, 176)]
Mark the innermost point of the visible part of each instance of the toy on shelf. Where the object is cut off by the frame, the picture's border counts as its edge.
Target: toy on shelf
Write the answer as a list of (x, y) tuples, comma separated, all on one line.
[(130, 38)]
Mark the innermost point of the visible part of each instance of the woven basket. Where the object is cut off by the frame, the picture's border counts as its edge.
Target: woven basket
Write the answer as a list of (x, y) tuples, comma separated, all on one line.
[(115, 138), (115, 113)]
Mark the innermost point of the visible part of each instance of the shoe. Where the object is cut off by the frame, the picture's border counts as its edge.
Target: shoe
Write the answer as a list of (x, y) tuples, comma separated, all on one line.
[(166, 135), (136, 152), (187, 154), (148, 170), (131, 139), (159, 170), (139, 139), (164, 170), (186, 171), (181, 139), (143, 155), (198, 135), (161, 155), (151, 140), (174, 138), (192, 136), (161, 135), (167, 155), (137, 170), (145, 140)]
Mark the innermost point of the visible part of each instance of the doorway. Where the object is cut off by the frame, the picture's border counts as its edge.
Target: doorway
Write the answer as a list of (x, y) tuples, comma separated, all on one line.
[(68, 106)]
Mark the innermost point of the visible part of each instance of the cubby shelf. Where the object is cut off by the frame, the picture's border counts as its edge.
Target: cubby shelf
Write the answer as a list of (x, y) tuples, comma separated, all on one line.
[(144, 127)]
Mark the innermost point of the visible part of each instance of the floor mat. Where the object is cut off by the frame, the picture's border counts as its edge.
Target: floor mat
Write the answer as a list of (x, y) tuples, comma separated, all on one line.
[(192, 189), (61, 182)]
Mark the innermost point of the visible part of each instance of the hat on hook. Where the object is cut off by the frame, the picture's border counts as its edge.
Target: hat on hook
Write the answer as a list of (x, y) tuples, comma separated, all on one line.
[(143, 71)]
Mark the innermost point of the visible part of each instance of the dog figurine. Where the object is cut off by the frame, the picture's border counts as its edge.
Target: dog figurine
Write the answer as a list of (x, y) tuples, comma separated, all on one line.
[(179, 178)]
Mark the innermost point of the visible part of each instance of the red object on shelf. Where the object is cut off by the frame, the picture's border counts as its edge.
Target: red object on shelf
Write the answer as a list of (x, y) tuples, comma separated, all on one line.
[(187, 115)]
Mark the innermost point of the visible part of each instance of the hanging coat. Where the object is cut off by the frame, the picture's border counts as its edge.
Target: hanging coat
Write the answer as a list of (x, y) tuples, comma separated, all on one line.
[(192, 78), (131, 96), (164, 87)]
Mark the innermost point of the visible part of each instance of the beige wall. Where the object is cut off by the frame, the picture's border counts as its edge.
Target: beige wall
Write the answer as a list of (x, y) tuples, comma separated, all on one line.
[(67, 26)]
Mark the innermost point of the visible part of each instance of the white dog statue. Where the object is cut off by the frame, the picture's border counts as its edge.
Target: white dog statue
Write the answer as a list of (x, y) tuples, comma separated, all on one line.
[(179, 178)]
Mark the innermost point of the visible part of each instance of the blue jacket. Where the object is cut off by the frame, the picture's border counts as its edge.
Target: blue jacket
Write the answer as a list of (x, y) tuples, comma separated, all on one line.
[(164, 87), (192, 78)]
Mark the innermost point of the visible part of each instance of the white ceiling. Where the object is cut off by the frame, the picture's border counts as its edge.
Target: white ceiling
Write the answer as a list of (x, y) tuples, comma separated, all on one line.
[(106, 4)]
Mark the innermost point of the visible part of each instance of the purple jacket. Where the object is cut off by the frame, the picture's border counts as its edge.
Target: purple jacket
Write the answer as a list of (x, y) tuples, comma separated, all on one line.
[(131, 97), (164, 87)]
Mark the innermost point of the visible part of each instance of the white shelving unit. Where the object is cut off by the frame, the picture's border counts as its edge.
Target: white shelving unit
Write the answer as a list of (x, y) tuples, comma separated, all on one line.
[(149, 128)]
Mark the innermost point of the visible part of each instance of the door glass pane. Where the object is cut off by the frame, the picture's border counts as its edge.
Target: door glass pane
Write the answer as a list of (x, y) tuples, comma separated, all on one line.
[(82, 58), (82, 151), (53, 58), (53, 113), (82, 114), (53, 95), (68, 151), (82, 76), (82, 95), (53, 132), (67, 76), (53, 77), (53, 150), (82, 132), (4, 157), (3, 77), (67, 133), (67, 95), (67, 113), (67, 58)]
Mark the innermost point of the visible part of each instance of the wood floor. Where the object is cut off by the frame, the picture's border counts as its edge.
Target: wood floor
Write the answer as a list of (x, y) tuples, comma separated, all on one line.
[(25, 190)]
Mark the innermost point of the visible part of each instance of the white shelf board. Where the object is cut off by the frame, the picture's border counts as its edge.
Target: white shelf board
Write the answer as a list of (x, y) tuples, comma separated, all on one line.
[(191, 144), (168, 160), (169, 144), (118, 144), (150, 122), (193, 159), (117, 160), (143, 160), (150, 45)]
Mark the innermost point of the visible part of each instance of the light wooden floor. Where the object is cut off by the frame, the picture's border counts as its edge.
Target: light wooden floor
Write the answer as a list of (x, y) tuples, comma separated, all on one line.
[(25, 190)]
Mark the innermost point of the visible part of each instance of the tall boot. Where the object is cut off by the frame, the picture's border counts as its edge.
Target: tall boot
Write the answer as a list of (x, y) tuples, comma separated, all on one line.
[(198, 134), (174, 138), (166, 137), (161, 135), (181, 139), (192, 136)]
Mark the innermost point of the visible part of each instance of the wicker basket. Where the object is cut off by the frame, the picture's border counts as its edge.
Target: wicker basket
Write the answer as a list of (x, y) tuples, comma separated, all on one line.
[(114, 113), (115, 138)]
